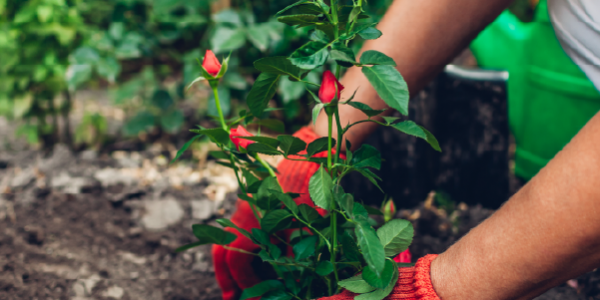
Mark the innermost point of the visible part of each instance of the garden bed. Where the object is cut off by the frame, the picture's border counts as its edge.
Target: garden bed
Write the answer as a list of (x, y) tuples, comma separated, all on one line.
[(88, 226)]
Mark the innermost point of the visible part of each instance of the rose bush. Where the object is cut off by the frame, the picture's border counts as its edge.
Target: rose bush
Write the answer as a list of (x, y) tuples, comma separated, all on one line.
[(337, 246)]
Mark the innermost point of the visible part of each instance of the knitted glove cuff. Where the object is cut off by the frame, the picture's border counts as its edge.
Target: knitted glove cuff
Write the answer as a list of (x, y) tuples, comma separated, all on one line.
[(422, 279), (306, 134)]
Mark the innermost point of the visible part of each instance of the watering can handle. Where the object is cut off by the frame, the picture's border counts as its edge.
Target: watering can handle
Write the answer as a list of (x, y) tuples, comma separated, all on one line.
[(476, 74)]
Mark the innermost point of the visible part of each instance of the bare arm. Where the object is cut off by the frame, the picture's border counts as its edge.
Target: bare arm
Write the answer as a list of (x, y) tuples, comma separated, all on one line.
[(421, 36), (547, 233)]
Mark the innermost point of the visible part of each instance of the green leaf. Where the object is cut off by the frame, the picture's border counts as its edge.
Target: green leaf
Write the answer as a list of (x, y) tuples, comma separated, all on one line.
[(278, 65), (109, 68), (213, 235), (276, 220), (292, 6), (310, 56), (189, 246), (359, 212), (390, 120), (216, 134), (432, 140), (343, 55), (367, 110), (263, 148), (172, 121), (370, 246), (317, 146), (319, 187), (305, 248), (346, 201), (261, 289), (300, 20), (382, 281), (262, 92), (316, 111), (141, 122), (259, 37), (273, 124), (291, 90), (184, 148), (262, 140), (356, 285), (380, 294), (261, 237), (287, 201), (265, 191), (226, 39), (372, 57), (228, 223), (85, 56), (319, 36), (370, 33), (291, 144), (324, 268), (411, 128), (228, 16), (308, 213), (276, 295), (162, 99), (395, 235), (373, 211), (390, 86), (367, 157), (350, 248), (371, 177)]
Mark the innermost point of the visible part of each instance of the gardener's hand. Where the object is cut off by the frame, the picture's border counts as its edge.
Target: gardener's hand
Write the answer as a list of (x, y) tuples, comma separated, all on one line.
[(233, 269), (413, 284)]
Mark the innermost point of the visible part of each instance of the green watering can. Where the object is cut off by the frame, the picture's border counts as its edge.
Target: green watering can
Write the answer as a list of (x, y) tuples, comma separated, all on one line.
[(549, 98)]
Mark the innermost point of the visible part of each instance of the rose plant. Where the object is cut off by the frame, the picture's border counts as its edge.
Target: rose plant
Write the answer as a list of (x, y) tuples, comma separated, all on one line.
[(333, 245)]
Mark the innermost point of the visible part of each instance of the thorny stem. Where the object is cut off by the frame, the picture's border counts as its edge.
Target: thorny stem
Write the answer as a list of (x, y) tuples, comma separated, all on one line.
[(218, 104), (266, 165), (243, 187)]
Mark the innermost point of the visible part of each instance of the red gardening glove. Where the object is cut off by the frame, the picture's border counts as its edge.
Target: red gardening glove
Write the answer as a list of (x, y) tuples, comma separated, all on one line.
[(413, 284), (233, 269)]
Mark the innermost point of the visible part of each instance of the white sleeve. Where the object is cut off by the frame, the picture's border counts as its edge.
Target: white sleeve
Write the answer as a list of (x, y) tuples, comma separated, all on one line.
[(577, 26)]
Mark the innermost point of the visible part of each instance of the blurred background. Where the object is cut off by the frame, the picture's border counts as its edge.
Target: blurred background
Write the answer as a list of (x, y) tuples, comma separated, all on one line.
[(94, 104)]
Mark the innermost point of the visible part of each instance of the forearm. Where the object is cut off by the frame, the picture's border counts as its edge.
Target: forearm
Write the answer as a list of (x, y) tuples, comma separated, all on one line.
[(547, 233), (422, 37)]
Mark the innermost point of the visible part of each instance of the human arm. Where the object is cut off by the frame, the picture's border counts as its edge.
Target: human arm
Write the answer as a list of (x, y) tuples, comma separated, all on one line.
[(545, 234), (422, 37)]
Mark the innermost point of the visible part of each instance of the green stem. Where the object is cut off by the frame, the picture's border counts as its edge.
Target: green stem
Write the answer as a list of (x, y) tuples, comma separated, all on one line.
[(243, 187), (218, 104), (329, 141), (266, 165), (340, 133), (240, 250)]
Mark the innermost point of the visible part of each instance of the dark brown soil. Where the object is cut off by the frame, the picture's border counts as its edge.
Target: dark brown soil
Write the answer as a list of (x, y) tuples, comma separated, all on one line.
[(94, 244)]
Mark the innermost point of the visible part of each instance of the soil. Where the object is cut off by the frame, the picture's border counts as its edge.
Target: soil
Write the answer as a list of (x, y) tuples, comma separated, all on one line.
[(94, 237)]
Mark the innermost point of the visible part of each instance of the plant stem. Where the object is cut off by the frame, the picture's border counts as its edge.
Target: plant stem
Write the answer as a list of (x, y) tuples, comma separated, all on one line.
[(218, 104), (243, 187), (239, 250), (329, 142), (340, 133), (266, 165)]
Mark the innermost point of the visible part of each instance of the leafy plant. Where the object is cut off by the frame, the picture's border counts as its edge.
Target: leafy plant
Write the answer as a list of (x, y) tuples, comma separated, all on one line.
[(36, 38), (341, 249)]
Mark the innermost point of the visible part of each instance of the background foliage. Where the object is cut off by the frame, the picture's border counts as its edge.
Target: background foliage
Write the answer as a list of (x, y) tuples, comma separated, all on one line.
[(144, 52)]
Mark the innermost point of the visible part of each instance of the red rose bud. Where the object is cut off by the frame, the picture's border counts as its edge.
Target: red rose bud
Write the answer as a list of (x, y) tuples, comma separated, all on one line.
[(211, 64), (236, 133), (389, 210), (328, 88)]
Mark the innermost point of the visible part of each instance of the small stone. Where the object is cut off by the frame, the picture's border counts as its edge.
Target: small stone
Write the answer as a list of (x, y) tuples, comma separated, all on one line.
[(133, 258), (61, 156), (114, 292), (134, 275), (23, 178), (203, 209), (71, 185), (160, 214), (89, 155), (110, 177)]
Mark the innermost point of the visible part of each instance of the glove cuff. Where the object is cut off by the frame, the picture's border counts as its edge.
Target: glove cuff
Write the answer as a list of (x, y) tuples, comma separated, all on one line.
[(422, 279)]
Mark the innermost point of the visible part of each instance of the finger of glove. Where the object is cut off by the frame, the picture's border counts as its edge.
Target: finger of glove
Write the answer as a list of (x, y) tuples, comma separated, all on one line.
[(229, 288)]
